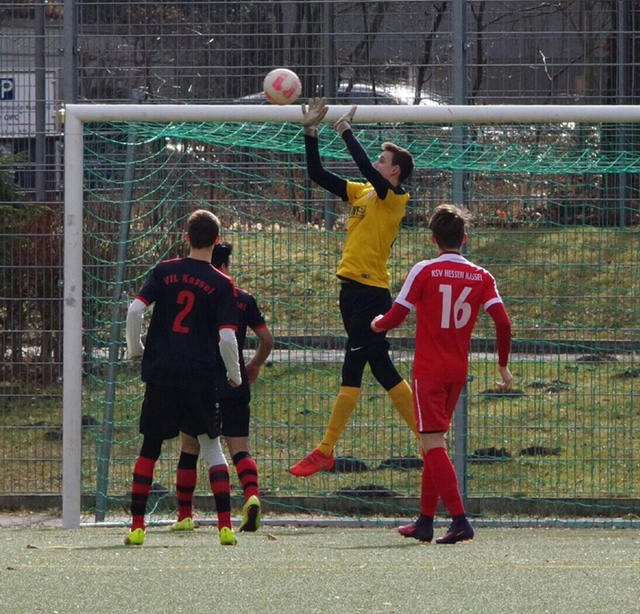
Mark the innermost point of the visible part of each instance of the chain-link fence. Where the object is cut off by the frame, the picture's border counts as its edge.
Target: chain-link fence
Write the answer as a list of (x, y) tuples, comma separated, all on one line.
[(406, 52)]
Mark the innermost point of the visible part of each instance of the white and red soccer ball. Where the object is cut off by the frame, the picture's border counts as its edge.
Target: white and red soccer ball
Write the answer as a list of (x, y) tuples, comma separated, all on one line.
[(282, 86)]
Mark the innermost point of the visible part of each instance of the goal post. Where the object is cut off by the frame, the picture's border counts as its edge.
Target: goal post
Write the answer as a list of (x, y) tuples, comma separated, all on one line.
[(77, 116), (72, 322)]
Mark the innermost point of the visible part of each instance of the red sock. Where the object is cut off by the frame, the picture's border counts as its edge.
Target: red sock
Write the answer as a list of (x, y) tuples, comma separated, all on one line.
[(221, 489), (186, 480), (247, 470), (429, 492), (140, 488), (444, 477)]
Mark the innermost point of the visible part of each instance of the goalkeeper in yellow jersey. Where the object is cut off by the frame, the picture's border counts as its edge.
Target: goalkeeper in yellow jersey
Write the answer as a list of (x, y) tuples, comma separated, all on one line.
[(377, 208)]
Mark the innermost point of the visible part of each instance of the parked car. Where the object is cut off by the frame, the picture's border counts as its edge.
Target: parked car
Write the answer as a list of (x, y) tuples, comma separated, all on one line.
[(358, 93)]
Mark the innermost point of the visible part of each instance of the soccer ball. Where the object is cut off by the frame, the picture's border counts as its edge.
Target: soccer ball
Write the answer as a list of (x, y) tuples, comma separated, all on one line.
[(282, 86)]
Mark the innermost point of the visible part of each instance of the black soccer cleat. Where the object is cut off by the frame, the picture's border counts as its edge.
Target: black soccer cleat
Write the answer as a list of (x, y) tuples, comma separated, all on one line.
[(459, 531), (421, 529)]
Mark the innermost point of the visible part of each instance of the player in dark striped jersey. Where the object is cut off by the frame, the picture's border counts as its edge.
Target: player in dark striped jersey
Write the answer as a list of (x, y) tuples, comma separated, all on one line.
[(447, 294), (194, 312), (377, 208), (235, 411)]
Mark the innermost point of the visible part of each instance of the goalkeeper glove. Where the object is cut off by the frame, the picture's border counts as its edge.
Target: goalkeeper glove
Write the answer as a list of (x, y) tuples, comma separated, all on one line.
[(344, 123), (313, 114)]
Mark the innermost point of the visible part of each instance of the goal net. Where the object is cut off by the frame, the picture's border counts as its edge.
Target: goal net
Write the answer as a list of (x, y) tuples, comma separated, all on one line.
[(553, 193)]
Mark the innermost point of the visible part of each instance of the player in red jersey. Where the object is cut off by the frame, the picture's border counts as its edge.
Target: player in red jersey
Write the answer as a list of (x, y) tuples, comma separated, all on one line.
[(194, 312), (447, 294)]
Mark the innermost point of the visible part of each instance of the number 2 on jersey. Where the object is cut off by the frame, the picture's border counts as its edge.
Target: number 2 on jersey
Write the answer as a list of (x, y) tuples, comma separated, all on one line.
[(187, 299), (460, 309)]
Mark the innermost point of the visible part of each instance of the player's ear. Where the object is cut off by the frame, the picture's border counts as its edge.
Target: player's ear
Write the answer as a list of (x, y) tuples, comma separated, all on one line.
[(187, 238), (218, 239), (464, 239)]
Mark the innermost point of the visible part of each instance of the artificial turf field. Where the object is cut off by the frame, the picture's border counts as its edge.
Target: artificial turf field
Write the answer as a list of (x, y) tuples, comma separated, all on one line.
[(285, 570)]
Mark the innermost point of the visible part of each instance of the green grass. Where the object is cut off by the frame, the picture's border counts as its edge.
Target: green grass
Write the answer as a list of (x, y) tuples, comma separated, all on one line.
[(585, 411), (557, 282)]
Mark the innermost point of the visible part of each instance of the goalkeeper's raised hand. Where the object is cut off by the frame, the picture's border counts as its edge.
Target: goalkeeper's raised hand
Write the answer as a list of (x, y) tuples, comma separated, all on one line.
[(344, 123), (313, 114)]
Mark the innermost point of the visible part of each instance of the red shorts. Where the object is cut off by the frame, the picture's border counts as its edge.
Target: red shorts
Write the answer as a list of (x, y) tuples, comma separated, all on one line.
[(434, 404)]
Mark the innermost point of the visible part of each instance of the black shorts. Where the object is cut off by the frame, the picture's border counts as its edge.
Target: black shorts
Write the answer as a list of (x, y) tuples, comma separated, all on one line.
[(359, 304), (235, 417), (167, 410)]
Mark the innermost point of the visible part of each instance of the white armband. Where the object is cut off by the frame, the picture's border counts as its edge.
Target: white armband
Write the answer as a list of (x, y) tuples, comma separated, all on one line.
[(229, 351), (135, 314)]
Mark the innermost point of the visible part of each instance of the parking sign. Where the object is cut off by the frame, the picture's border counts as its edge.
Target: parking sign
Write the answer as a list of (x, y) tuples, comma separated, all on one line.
[(18, 104), (7, 88)]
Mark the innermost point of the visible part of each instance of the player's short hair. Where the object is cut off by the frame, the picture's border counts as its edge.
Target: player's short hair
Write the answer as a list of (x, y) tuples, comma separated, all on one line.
[(203, 228), (221, 254), (401, 157), (449, 225)]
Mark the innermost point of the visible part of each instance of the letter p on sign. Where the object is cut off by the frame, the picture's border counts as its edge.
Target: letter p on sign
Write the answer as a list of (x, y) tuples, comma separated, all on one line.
[(7, 89)]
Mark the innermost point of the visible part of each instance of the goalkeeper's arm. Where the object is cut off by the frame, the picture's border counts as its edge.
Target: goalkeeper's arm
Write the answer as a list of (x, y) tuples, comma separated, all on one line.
[(360, 157), (320, 175)]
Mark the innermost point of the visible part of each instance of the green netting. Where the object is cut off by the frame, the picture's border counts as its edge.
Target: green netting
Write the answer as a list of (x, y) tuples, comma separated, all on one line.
[(555, 210), (550, 148)]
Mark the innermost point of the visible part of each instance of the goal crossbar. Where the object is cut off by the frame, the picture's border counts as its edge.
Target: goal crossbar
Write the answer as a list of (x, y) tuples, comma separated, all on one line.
[(442, 114)]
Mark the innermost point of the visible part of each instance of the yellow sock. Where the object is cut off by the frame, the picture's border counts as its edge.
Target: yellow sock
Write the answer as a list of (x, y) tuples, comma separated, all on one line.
[(342, 409), (402, 399)]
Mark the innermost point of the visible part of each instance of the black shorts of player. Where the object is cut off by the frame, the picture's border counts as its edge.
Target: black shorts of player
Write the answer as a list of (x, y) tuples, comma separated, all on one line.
[(167, 410), (359, 304), (235, 417)]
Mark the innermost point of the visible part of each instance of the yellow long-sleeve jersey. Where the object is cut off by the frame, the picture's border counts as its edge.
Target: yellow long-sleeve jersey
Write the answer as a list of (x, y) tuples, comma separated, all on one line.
[(372, 229)]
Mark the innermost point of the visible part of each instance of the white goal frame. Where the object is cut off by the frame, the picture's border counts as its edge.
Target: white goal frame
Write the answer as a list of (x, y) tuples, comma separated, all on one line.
[(76, 115)]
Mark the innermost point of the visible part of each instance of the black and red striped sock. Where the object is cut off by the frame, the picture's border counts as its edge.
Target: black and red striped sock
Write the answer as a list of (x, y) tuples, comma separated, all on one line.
[(247, 470), (221, 489), (186, 480), (140, 488)]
